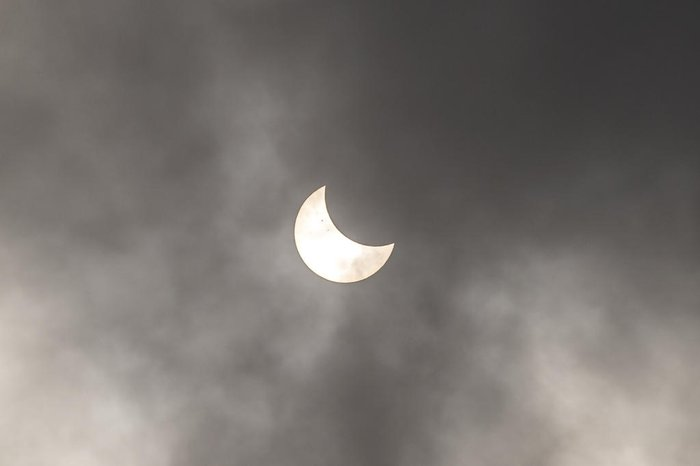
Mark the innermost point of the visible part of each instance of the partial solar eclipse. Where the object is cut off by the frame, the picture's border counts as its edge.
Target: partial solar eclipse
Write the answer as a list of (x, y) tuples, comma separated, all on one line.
[(328, 252)]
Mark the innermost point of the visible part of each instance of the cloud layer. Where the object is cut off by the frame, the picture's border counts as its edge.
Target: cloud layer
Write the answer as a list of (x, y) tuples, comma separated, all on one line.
[(536, 167)]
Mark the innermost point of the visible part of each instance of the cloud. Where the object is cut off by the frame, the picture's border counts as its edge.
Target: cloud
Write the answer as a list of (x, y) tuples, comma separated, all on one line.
[(536, 170)]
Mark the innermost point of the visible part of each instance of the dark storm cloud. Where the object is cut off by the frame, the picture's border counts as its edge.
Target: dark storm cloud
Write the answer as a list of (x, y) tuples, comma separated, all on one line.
[(535, 164)]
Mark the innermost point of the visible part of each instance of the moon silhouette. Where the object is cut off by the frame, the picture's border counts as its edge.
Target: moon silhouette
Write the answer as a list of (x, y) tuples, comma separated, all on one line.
[(328, 252)]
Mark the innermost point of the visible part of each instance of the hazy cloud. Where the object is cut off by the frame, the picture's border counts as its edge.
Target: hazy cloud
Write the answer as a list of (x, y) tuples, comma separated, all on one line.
[(536, 166)]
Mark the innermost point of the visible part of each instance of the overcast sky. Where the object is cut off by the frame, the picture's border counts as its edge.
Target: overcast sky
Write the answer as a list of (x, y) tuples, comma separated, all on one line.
[(536, 163)]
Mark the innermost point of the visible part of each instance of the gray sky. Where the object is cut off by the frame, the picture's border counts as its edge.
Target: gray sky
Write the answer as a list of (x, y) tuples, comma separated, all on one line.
[(537, 165)]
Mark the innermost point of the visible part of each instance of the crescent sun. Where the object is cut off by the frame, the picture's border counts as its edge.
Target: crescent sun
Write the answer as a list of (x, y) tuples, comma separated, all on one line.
[(328, 252)]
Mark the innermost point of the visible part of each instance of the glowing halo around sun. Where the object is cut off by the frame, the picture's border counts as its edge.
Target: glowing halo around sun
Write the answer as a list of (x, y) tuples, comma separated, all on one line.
[(328, 252)]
